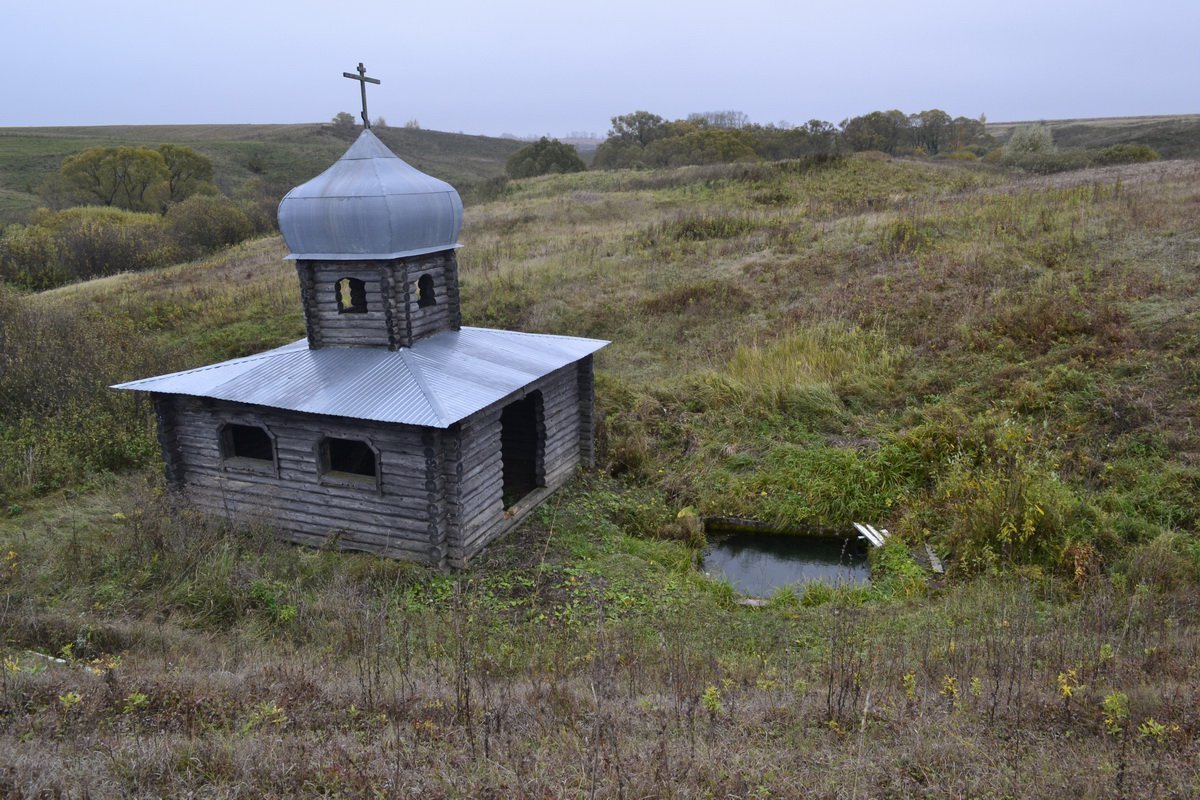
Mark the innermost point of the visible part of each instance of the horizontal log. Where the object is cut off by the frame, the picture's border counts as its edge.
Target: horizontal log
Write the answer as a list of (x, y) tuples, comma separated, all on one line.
[(195, 413), (433, 555), (360, 523), (394, 478), (399, 536), (414, 504)]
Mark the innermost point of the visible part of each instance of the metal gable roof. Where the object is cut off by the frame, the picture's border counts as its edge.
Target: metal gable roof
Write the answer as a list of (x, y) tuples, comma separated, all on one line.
[(436, 382)]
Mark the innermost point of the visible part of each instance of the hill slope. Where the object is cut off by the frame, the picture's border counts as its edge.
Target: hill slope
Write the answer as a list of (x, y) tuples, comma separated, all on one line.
[(1006, 369), (1175, 136), (283, 155)]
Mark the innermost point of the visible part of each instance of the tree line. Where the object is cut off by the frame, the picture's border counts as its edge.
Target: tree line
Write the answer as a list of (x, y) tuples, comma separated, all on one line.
[(641, 139)]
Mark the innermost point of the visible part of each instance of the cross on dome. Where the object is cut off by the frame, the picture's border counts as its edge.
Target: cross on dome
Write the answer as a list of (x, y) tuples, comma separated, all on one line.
[(363, 80)]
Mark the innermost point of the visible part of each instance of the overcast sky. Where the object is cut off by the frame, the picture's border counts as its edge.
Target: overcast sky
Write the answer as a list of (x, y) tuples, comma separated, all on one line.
[(537, 66)]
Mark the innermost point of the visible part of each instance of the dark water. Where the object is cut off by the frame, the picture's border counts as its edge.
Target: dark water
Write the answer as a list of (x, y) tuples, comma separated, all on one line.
[(758, 564)]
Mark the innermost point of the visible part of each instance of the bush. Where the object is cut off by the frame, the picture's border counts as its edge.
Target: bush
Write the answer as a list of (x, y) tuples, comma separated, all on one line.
[(1125, 154), (96, 241), (203, 223), (29, 257), (1000, 503), (58, 420), (1029, 140), (1047, 163), (544, 157)]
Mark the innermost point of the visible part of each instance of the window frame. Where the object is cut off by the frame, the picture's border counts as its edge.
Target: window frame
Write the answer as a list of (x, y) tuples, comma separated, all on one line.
[(232, 462), (334, 477)]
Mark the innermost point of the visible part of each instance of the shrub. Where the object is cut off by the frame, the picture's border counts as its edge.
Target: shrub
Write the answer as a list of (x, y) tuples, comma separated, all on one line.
[(97, 241), (203, 223), (29, 257), (544, 157), (1169, 561), (1029, 140), (1126, 153), (1000, 502), (58, 420)]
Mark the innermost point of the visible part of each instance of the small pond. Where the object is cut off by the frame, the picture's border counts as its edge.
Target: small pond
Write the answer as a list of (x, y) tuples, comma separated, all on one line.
[(757, 564)]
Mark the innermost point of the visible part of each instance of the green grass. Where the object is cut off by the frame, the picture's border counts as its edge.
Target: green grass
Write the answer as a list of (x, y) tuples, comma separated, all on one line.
[(1001, 367)]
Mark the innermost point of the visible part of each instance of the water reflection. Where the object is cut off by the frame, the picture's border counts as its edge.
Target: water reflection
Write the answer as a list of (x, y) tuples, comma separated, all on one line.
[(758, 564)]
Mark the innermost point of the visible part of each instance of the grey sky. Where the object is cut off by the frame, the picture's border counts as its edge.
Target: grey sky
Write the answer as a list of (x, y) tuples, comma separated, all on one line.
[(535, 66)]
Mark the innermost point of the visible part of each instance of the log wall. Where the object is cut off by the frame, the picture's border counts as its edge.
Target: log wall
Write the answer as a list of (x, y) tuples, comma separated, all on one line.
[(394, 317), (438, 496), (401, 514), (477, 504)]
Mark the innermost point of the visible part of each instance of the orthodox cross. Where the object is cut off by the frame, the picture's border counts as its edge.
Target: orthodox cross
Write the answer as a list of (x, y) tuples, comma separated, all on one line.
[(363, 80)]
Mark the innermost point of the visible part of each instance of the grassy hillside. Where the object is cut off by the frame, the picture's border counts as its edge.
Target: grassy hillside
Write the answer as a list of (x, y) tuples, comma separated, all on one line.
[(1172, 136), (280, 154), (1004, 368)]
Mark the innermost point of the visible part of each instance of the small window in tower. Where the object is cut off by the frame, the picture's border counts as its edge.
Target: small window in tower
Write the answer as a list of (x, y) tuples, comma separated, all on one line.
[(351, 296), (425, 295), (248, 447), (351, 461)]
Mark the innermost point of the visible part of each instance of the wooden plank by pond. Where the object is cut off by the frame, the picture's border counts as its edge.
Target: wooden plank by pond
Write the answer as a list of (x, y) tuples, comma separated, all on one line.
[(868, 532), (935, 563)]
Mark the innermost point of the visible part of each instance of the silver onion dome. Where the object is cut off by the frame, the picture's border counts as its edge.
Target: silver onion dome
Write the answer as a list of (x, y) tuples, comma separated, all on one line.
[(370, 205)]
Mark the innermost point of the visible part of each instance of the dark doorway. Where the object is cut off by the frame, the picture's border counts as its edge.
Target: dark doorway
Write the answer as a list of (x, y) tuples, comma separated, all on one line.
[(522, 444)]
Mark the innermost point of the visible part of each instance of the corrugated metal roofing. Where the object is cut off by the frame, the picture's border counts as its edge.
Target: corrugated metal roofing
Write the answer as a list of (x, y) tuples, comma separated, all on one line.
[(436, 382), (370, 204)]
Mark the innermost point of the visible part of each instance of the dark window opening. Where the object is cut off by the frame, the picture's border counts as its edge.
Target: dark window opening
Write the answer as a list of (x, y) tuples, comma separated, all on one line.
[(522, 446), (348, 456), (351, 296), (425, 296), (247, 446)]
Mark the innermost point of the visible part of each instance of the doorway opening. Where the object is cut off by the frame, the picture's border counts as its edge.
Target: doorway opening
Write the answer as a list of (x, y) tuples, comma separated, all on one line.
[(522, 447)]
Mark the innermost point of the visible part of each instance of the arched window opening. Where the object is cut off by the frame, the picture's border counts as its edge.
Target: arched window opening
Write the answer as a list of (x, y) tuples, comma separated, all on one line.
[(352, 460), (425, 295), (351, 296), (247, 447)]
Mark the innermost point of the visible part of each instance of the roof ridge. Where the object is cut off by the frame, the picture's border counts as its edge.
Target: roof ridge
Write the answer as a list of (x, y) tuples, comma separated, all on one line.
[(274, 352), (414, 369)]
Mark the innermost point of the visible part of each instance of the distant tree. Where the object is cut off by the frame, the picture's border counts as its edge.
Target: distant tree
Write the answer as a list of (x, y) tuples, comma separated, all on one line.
[(1029, 140), (966, 132), (879, 130), (188, 172), (379, 122), (413, 125), (544, 157), (930, 130), (628, 138), (700, 144), (132, 178), (774, 142), (343, 124), (640, 127), (720, 119)]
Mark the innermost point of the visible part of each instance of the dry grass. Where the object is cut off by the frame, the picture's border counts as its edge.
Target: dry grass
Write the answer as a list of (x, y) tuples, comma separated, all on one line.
[(923, 346)]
